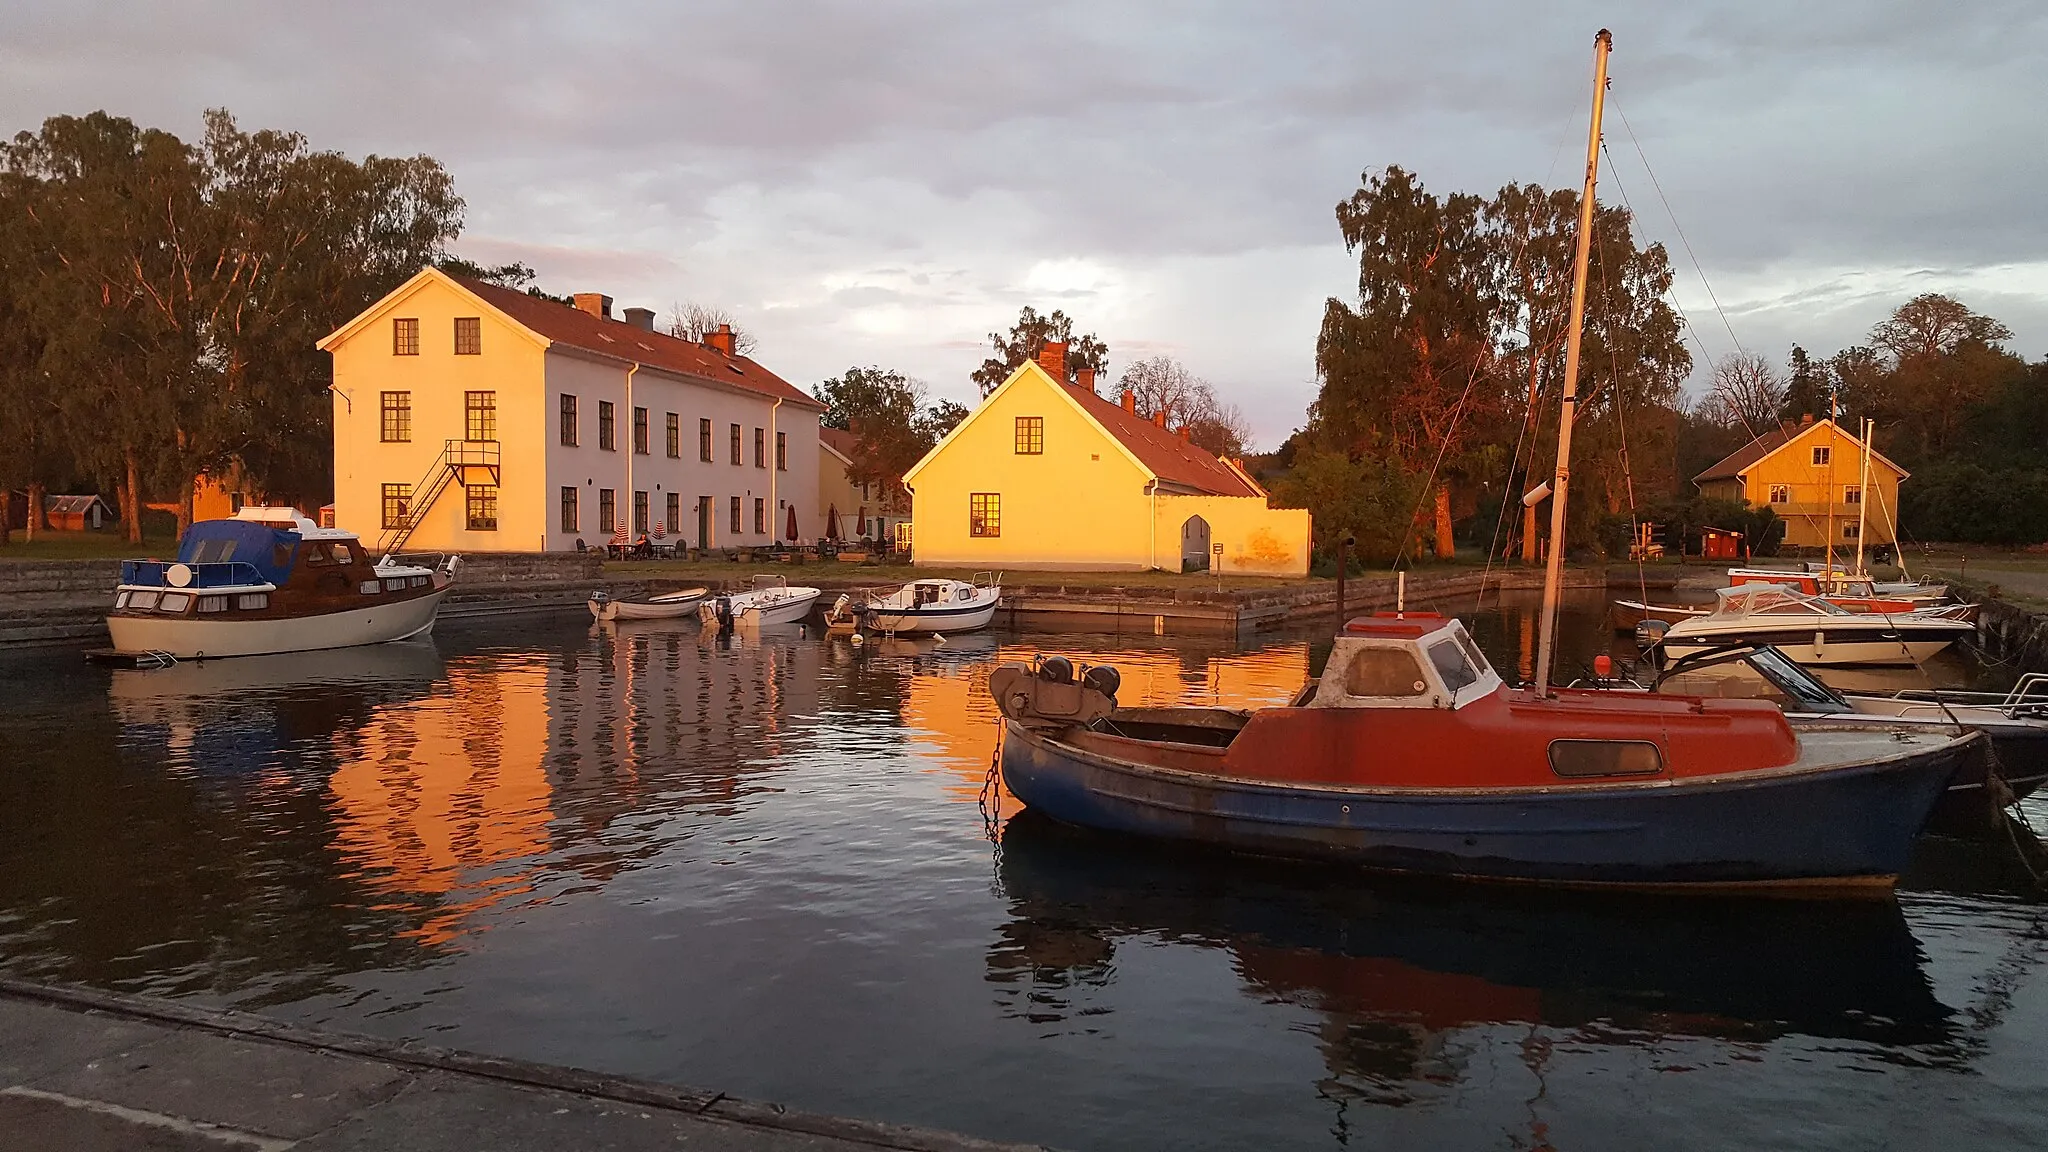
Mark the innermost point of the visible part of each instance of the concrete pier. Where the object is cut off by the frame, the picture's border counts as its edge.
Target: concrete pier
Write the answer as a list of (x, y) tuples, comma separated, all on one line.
[(90, 1070)]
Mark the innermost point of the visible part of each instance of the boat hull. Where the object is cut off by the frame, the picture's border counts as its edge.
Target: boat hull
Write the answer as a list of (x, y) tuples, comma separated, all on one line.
[(968, 618), (196, 638), (1840, 827), (628, 610), (1838, 649), (789, 610)]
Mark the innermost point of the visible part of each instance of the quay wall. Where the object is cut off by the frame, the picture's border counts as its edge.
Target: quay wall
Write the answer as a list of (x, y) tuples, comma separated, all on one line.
[(2007, 633)]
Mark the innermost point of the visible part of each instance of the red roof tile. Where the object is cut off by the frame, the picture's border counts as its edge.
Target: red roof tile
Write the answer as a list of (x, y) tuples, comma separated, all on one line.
[(1173, 459), (576, 328), (1732, 464), (841, 441)]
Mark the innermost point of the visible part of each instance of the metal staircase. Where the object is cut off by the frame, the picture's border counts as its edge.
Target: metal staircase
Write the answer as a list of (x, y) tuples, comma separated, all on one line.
[(451, 467)]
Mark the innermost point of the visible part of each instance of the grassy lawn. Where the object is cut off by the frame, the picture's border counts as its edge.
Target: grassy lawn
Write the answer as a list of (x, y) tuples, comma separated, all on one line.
[(110, 544)]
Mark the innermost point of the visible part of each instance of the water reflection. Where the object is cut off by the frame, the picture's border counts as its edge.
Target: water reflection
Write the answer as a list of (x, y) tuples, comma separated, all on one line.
[(1394, 970)]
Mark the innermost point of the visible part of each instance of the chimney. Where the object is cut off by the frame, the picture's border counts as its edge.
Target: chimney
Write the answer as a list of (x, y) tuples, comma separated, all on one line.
[(721, 340), (1087, 379), (641, 318), (1159, 417), (596, 303), (1186, 433), (1806, 419), (1053, 358), (1130, 401)]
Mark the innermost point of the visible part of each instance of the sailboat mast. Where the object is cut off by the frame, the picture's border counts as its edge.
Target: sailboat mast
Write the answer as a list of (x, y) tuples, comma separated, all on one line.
[(1863, 494), (1827, 580), (1553, 573)]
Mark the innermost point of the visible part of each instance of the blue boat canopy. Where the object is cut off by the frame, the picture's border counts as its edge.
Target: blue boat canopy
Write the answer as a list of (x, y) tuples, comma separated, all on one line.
[(268, 550)]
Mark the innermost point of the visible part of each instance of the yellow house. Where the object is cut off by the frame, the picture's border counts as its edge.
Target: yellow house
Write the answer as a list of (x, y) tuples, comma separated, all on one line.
[(1045, 474), (853, 510), (470, 417), (1805, 471)]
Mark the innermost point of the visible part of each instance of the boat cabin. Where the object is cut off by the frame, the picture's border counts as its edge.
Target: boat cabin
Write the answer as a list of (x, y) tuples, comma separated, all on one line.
[(265, 563), (1746, 600), (1404, 660)]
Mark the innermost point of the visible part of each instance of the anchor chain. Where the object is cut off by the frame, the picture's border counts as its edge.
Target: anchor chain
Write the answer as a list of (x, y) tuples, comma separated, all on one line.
[(991, 800)]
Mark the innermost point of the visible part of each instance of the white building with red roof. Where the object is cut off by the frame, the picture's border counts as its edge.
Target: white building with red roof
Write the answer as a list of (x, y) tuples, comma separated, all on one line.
[(1046, 474), (471, 417)]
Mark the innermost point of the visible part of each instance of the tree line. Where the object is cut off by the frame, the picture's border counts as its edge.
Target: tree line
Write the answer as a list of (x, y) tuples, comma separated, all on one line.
[(160, 299), (1439, 387)]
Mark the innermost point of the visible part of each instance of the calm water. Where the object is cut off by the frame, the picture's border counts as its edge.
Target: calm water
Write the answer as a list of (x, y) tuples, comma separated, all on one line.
[(760, 866)]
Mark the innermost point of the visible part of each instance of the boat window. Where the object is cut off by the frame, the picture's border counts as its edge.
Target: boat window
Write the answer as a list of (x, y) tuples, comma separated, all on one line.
[(343, 554), (251, 601), (281, 556), (121, 599), (318, 554), (1575, 758), (142, 601), (1384, 672), (419, 581), (1807, 693), (369, 587), (174, 602), (213, 603), (1452, 665), (395, 584)]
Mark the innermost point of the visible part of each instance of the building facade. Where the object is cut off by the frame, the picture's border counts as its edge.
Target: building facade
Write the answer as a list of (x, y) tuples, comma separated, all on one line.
[(1811, 475), (470, 417), (1045, 474), (854, 510)]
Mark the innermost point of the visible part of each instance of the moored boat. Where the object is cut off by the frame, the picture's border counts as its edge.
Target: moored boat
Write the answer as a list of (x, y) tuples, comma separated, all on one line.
[(768, 600), (1813, 631), (1409, 754), (269, 580), (924, 607), (667, 606)]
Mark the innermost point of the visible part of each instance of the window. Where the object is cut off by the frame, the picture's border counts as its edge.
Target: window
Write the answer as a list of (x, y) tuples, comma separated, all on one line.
[(735, 444), (469, 336), (405, 337), (1852, 494), (252, 601), (640, 513), (568, 420), (735, 510), (1852, 531), (395, 423), (1384, 672), (1030, 435), (213, 603), (607, 429), (1821, 453), (480, 415), (174, 602), (985, 514), (570, 519), (704, 441), (1781, 493), (640, 432), (480, 502), (1452, 666), (1605, 758), (675, 514), (607, 510), (397, 501), (675, 436), (760, 448), (760, 514), (782, 451)]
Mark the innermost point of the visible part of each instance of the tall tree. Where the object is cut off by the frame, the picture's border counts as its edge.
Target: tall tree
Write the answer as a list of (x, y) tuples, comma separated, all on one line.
[(1806, 386), (892, 425), (1028, 337), (696, 322), (1162, 385), (1747, 392)]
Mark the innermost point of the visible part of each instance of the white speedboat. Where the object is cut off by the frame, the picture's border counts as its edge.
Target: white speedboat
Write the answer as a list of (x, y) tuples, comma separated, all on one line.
[(768, 600), (927, 607), (668, 606), (1814, 632), (270, 580)]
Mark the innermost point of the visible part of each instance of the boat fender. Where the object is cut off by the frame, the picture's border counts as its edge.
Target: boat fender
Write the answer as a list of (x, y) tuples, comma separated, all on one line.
[(451, 565)]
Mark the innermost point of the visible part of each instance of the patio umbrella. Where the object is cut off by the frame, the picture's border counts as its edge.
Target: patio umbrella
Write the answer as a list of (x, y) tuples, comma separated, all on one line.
[(832, 522), (792, 534), (861, 529)]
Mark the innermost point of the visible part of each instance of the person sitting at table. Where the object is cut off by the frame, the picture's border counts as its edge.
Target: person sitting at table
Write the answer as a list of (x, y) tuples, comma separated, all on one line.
[(620, 540)]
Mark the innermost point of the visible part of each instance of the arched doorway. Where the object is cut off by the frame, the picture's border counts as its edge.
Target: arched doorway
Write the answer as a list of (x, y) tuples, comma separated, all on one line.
[(1194, 545)]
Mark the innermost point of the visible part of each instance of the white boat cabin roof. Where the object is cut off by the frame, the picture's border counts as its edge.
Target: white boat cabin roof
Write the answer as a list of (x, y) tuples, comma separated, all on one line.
[(1404, 660), (1772, 600), (292, 520)]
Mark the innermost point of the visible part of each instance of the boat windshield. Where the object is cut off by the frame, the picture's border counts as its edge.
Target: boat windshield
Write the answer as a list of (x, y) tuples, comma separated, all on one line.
[(1453, 665), (1806, 692)]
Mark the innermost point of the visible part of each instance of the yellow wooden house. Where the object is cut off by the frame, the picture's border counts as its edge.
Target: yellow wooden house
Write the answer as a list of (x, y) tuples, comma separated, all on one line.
[(1046, 474), (1810, 474)]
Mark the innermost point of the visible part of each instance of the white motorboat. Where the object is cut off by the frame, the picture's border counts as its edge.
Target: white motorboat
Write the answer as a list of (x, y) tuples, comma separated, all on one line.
[(667, 606), (926, 607), (1814, 632), (270, 580), (768, 600)]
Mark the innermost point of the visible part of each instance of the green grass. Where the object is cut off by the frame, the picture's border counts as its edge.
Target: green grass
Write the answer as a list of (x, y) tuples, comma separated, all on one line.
[(109, 544)]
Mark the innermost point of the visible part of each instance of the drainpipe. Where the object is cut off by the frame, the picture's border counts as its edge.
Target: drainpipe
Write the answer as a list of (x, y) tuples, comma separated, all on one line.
[(775, 517), (632, 446), (1152, 490)]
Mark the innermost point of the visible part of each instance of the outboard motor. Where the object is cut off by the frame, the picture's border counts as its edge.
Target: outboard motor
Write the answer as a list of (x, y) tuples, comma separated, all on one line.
[(1650, 640)]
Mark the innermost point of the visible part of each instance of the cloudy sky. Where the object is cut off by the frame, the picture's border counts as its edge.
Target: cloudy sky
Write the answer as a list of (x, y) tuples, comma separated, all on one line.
[(885, 183)]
